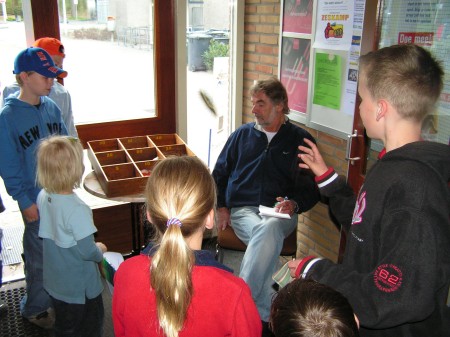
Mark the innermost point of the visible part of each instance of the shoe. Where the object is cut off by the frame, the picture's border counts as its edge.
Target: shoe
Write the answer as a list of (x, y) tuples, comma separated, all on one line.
[(3, 307), (45, 320)]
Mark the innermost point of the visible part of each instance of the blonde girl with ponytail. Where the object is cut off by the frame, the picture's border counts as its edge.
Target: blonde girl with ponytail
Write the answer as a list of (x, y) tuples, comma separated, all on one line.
[(174, 288)]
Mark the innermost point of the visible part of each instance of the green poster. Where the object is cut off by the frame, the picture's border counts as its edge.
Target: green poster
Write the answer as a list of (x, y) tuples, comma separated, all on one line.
[(327, 80)]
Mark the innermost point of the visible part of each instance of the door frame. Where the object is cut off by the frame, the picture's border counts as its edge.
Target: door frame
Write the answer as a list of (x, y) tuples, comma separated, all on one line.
[(360, 143)]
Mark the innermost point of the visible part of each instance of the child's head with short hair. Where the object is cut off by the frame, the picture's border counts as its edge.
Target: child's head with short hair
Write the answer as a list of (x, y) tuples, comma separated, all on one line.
[(306, 308), (274, 89), (60, 164), (405, 75)]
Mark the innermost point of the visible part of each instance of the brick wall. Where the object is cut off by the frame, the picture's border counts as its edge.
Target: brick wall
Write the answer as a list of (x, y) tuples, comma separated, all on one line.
[(317, 235)]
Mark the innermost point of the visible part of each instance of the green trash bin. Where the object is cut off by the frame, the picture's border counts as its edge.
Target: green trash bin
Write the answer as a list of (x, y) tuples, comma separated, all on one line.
[(198, 43)]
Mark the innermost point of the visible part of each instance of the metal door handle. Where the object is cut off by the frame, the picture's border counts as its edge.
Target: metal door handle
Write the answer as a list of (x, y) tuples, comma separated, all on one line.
[(349, 146)]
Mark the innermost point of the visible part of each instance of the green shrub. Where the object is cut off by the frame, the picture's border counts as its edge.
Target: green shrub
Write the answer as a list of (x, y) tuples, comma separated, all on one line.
[(216, 49)]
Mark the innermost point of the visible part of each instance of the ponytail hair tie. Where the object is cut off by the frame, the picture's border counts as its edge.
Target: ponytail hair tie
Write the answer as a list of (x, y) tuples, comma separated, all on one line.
[(174, 221)]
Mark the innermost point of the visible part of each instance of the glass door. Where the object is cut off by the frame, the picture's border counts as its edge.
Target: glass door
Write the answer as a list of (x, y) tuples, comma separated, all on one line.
[(209, 42)]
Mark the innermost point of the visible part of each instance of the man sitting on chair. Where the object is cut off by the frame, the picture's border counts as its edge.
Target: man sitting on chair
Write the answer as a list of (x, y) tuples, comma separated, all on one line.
[(258, 166)]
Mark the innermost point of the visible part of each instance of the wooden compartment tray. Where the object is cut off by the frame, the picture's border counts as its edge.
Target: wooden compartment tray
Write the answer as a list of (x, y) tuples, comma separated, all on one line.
[(122, 165)]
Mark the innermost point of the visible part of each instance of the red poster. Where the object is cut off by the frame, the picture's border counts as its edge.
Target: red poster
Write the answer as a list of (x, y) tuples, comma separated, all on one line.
[(297, 17), (295, 71)]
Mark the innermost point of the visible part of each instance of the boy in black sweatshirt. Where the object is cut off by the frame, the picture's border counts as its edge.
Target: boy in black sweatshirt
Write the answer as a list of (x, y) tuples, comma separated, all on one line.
[(396, 268)]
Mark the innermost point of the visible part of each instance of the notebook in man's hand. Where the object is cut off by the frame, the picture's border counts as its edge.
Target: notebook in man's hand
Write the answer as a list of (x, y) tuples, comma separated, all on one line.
[(270, 211)]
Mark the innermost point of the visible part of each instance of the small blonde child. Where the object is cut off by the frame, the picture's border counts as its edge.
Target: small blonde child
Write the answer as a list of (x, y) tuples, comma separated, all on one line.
[(71, 256)]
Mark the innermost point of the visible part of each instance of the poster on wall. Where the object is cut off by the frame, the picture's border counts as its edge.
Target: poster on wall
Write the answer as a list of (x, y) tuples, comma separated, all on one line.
[(327, 80), (334, 28), (295, 71), (297, 16)]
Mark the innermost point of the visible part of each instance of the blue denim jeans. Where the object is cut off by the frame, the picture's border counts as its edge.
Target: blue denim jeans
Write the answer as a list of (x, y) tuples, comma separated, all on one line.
[(264, 238), (79, 320), (37, 299)]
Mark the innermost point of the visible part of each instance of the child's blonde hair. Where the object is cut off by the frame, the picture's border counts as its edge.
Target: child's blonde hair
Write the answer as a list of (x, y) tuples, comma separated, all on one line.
[(180, 193), (405, 75), (60, 164), (19, 79)]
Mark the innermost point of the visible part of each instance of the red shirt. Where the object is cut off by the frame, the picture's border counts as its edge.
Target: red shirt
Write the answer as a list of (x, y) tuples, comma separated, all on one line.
[(221, 303)]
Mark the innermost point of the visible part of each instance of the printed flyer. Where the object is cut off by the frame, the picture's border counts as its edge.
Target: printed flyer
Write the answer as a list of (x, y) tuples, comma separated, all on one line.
[(334, 24), (297, 16), (327, 80)]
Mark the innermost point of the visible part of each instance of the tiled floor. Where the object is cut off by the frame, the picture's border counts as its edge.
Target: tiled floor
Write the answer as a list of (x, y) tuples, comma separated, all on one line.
[(11, 217)]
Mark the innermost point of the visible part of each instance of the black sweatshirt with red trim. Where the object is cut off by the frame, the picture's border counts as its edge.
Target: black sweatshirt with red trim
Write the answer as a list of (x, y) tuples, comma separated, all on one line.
[(396, 267)]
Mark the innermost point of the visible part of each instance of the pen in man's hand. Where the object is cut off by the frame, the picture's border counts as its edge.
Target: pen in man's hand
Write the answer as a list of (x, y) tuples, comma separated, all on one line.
[(281, 208)]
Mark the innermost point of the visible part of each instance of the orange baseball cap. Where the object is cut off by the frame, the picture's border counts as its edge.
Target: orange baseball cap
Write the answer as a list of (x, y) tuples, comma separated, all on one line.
[(50, 45)]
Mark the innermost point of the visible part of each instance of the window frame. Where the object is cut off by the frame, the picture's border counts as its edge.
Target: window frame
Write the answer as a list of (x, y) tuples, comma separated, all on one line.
[(45, 22)]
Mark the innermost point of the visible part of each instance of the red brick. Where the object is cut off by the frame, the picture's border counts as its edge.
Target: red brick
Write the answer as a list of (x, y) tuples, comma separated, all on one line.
[(250, 9), (326, 138), (250, 28), (252, 19), (251, 57), (250, 65), (265, 9), (275, 19), (269, 39), (262, 49), (249, 38), (249, 47), (263, 68), (272, 60), (266, 29), (305, 240)]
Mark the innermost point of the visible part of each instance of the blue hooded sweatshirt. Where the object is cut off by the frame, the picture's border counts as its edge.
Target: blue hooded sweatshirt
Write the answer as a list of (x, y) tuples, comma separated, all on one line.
[(22, 126)]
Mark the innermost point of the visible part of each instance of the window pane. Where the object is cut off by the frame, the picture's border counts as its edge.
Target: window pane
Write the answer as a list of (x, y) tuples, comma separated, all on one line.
[(12, 41), (426, 24), (109, 57), (209, 43)]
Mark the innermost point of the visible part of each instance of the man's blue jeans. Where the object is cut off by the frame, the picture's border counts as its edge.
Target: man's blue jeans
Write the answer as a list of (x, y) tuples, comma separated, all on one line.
[(264, 238), (37, 299)]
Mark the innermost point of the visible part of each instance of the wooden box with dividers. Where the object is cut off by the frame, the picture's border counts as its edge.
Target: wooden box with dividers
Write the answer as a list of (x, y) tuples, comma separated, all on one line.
[(122, 165)]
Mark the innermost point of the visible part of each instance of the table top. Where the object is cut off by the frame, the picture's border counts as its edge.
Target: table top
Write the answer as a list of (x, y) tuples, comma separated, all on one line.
[(92, 185)]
